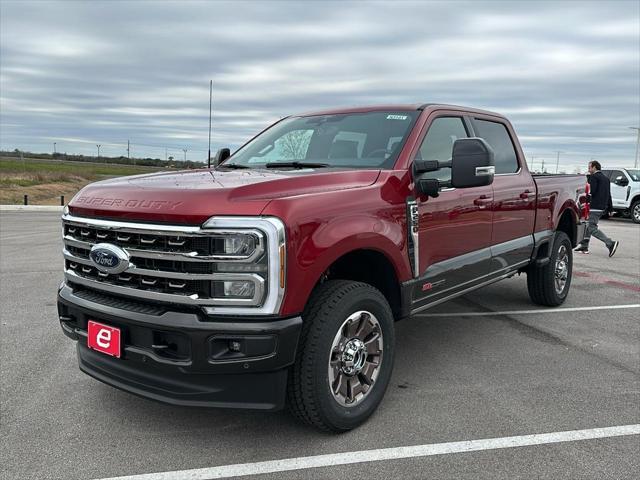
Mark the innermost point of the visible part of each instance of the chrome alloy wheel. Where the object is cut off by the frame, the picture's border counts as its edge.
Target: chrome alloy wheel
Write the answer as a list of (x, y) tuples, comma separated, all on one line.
[(355, 359), (561, 270), (636, 212)]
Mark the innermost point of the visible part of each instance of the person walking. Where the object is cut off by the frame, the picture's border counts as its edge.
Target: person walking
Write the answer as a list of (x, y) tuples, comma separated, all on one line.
[(600, 203)]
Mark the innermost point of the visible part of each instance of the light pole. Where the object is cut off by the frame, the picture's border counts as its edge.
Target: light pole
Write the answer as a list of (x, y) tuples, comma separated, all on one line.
[(210, 103), (98, 151), (558, 160), (635, 163), (185, 154), (54, 149)]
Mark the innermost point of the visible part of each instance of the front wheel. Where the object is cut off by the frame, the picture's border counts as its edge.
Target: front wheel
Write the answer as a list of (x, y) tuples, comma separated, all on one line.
[(549, 284), (635, 211), (345, 357)]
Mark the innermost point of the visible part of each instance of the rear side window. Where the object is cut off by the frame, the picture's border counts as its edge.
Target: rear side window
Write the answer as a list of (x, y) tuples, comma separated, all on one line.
[(438, 143), (496, 135)]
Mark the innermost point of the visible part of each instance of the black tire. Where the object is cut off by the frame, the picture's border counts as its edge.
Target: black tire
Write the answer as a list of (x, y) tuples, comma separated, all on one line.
[(635, 211), (541, 281), (309, 395)]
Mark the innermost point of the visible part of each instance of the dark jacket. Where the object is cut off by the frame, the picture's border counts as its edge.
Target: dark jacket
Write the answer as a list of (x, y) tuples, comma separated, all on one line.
[(600, 191)]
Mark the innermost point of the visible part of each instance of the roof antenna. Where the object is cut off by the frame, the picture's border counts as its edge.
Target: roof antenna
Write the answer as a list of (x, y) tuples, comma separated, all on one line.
[(210, 102)]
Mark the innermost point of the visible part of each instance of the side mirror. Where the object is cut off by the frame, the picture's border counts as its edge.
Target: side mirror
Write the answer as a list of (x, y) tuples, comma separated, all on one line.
[(621, 181), (425, 166), (221, 156), (429, 187), (472, 163)]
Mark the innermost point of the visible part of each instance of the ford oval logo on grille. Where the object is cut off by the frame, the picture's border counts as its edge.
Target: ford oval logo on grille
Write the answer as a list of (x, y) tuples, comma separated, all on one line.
[(109, 258)]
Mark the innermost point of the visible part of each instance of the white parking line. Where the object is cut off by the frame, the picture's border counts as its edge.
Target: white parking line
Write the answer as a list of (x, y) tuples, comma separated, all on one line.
[(528, 312), (330, 460)]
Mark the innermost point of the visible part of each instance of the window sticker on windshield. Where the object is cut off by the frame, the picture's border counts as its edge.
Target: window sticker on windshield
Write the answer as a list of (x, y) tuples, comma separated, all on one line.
[(397, 117)]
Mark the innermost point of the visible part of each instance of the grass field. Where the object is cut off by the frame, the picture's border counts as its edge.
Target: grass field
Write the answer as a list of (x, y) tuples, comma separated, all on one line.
[(44, 181)]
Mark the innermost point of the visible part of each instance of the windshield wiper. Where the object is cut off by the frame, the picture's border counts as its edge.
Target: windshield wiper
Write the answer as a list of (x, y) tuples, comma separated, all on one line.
[(296, 165), (235, 166)]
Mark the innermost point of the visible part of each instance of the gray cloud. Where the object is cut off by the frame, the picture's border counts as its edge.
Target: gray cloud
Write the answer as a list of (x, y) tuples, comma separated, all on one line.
[(566, 73)]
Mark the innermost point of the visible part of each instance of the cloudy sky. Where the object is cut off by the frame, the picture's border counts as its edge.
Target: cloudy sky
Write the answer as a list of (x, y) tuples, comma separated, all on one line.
[(567, 74)]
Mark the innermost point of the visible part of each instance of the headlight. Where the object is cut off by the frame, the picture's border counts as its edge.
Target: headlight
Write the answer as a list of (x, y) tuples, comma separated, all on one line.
[(239, 244), (249, 264)]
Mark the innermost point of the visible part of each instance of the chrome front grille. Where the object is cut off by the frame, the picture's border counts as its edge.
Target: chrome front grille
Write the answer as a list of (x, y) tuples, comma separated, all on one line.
[(136, 240), (183, 265)]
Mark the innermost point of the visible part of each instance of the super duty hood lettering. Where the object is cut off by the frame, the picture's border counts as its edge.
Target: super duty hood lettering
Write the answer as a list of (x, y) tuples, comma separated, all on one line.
[(131, 203)]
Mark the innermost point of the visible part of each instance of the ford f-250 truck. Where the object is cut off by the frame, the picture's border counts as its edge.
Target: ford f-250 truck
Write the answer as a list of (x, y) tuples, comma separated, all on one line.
[(275, 276)]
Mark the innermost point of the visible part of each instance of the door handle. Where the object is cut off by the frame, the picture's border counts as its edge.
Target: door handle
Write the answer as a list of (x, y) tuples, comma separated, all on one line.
[(525, 195), (482, 201)]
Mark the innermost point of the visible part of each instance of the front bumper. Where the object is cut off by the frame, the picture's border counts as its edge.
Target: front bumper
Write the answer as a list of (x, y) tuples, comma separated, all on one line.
[(182, 357)]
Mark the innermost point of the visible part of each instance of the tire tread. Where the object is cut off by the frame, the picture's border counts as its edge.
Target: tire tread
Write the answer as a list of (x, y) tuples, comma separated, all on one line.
[(540, 279), (301, 384)]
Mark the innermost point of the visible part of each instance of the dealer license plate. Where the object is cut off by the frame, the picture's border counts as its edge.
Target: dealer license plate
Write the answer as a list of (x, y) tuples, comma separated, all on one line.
[(103, 338)]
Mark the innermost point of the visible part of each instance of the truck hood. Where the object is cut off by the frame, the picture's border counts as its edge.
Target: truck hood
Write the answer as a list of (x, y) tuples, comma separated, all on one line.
[(191, 197)]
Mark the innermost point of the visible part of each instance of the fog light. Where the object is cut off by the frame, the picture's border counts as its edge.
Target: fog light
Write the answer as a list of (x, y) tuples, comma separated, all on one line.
[(235, 346), (242, 289)]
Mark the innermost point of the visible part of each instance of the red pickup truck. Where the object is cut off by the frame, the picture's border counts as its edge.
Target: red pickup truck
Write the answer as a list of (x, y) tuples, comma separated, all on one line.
[(275, 277)]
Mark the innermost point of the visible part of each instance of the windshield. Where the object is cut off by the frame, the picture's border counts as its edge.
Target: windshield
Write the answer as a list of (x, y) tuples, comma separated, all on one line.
[(353, 140), (634, 174)]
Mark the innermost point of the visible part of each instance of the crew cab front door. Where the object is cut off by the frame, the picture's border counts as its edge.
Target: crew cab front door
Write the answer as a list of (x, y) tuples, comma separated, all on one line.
[(454, 229), (619, 192)]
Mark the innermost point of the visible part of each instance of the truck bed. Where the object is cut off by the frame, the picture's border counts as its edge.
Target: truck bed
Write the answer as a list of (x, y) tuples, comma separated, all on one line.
[(550, 188)]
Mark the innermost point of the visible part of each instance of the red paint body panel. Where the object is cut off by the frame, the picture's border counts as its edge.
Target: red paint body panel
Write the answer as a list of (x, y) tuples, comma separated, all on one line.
[(322, 227), (191, 197), (453, 224), (331, 213), (557, 193)]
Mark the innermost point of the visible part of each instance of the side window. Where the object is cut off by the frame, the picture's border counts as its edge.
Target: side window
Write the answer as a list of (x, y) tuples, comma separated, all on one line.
[(615, 174), (292, 145), (497, 136), (438, 143)]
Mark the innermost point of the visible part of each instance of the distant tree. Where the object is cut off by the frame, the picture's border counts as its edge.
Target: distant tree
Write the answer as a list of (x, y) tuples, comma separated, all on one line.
[(295, 144)]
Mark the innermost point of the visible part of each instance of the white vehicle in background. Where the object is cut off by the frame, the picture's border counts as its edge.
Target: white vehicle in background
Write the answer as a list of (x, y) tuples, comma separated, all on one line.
[(625, 191)]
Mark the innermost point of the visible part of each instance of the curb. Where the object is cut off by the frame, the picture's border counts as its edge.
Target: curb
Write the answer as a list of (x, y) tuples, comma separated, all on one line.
[(30, 208)]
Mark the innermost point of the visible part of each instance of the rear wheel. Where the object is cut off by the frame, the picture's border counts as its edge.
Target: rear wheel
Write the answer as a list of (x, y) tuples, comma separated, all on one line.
[(345, 357), (549, 284)]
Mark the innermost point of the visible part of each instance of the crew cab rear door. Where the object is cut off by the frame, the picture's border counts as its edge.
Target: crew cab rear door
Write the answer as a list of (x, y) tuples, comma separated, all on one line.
[(454, 236), (514, 196)]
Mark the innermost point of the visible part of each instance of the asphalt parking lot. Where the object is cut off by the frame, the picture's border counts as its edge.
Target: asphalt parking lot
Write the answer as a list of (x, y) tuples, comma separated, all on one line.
[(471, 369)]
